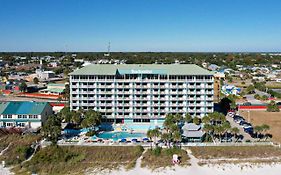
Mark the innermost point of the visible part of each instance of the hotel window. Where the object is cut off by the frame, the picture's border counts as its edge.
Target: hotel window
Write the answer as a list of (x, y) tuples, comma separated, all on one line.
[(136, 120), (9, 116), (19, 116), (5, 116), (21, 124), (24, 116), (146, 120)]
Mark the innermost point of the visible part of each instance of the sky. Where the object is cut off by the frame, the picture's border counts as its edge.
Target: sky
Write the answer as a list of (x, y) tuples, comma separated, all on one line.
[(140, 25)]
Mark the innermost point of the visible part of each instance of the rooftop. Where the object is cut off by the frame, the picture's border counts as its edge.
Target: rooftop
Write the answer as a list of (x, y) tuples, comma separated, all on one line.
[(163, 69), (26, 107)]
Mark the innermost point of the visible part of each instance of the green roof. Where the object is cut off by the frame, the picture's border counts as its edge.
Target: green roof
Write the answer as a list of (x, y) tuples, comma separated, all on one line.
[(22, 107), (56, 90), (166, 69), (3, 106)]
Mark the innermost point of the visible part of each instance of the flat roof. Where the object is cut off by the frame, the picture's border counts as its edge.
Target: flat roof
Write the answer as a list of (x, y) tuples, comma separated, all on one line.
[(162, 69)]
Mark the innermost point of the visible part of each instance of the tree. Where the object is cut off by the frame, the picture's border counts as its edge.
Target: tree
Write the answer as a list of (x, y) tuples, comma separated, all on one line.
[(52, 129), (188, 118), (257, 96), (177, 137), (209, 129), (169, 122), (153, 134), (166, 137), (65, 114), (258, 130), (272, 107), (226, 127), (264, 97), (265, 129), (35, 80), (75, 117), (23, 86), (196, 120), (250, 89), (91, 119), (235, 131), (66, 92), (178, 118)]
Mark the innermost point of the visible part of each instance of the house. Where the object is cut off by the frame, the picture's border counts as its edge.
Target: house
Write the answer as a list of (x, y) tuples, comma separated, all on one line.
[(259, 77), (213, 67), (230, 90), (24, 114), (192, 133), (54, 89), (53, 64)]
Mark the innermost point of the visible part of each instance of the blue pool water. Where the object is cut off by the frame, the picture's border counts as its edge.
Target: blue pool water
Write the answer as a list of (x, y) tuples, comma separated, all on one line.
[(120, 135)]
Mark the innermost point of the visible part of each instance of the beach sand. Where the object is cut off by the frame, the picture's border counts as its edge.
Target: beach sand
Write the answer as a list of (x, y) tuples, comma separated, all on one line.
[(5, 171), (226, 169)]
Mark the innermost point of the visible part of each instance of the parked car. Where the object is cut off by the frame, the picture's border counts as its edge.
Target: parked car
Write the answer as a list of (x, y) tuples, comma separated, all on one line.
[(231, 114), (249, 130), (244, 123), (238, 120), (247, 125), (226, 140), (247, 103)]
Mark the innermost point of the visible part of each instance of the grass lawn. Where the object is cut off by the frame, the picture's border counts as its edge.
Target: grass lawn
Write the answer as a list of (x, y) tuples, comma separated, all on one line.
[(163, 158), (273, 119), (235, 152), (78, 159), (19, 148)]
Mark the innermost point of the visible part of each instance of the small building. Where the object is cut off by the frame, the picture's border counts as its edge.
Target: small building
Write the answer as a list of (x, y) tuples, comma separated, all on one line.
[(54, 89), (24, 114), (44, 75), (259, 77), (213, 67), (192, 133), (230, 90)]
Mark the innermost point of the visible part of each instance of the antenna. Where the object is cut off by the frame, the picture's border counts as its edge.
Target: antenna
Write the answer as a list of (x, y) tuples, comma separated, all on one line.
[(108, 49)]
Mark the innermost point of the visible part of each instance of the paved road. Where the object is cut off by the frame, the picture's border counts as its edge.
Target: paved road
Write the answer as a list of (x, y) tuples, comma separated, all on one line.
[(14, 98), (262, 93), (246, 136), (251, 99)]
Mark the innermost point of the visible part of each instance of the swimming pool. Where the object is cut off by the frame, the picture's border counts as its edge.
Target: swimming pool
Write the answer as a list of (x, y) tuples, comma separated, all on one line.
[(120, 135)]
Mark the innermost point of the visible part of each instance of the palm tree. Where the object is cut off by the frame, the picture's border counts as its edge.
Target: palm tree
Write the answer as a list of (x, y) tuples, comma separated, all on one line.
[(196, 120), (153, 134), (226, 128), (265, 128), (188, 118), (219, 130), (169, 121), (209, 129), (178, 118), (166, 137), (206, 119), (177, 137), (235, 131), (149, 134), (258, 130)]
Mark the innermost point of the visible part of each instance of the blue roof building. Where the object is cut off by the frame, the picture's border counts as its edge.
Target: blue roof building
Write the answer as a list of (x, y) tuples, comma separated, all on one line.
[(24, 114)]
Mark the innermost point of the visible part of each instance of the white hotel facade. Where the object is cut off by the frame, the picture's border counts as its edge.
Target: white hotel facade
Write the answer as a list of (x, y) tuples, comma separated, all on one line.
[(132, 93)]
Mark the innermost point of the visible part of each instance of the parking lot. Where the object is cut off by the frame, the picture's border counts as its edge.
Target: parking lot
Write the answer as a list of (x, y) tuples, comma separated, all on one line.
[(245, 128)]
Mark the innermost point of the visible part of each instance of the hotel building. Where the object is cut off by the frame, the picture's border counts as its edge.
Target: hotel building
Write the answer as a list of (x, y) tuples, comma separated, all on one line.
[(138, 94)]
